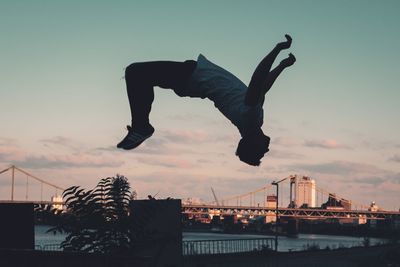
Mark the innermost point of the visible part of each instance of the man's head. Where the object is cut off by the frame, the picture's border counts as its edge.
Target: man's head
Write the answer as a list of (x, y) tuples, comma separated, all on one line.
[(252, 147)]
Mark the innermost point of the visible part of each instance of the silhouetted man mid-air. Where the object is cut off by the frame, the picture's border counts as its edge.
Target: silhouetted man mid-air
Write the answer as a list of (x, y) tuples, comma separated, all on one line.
[(242, 105)]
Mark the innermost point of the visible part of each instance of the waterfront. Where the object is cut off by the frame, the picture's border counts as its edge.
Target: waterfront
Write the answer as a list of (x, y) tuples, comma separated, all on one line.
[(301, 242)]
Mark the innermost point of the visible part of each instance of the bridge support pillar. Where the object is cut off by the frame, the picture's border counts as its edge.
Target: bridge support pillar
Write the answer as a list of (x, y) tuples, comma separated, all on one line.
[(12, 182), (293, 226)]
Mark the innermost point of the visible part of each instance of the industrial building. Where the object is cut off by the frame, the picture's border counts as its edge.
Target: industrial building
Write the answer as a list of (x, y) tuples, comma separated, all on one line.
[(305, 192)]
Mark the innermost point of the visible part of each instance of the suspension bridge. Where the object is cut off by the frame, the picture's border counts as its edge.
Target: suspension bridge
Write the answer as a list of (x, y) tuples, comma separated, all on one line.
[(35, 189), (306, 200)]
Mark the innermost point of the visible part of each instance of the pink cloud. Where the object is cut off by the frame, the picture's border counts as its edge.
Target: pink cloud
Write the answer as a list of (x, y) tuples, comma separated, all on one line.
[(339, 168), (284, 141), (8, 142), (281, 154), (395, 158), (11, 153), (326, 143), (182, 136), (168, 162), (67, 161), (64, 142)]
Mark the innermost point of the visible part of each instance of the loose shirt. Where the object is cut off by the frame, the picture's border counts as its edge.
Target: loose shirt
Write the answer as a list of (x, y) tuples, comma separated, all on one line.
[(227, 92)]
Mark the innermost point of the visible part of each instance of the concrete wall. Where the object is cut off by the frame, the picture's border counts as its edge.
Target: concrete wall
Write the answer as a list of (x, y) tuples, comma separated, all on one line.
[(32, 258), (17, 226), (158, 223)]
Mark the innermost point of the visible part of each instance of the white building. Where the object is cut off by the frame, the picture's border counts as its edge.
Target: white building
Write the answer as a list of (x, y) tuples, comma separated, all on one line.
[(57, 202), (271, 201), (305, 192), (193, 201)]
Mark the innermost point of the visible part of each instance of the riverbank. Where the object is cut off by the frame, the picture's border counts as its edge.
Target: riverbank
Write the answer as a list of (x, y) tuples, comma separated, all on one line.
[(387, 255)]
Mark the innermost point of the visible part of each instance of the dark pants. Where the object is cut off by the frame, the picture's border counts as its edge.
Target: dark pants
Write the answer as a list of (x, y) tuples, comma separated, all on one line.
[(142, 77)]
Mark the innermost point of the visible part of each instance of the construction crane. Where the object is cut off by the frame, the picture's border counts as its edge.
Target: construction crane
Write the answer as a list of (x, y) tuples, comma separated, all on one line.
[(215, 196)]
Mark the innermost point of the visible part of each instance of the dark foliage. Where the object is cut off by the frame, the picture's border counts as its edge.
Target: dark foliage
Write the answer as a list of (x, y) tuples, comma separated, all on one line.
[(97, 220)]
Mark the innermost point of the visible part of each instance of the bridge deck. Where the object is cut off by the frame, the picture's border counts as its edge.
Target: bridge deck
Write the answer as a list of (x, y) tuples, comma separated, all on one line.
[(289, 212)]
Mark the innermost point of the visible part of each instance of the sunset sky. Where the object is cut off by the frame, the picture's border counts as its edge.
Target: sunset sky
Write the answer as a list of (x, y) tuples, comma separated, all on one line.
[(333, 116)]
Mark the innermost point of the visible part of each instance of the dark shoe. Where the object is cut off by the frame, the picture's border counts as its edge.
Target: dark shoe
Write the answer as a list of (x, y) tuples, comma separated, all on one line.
[(289, 61), (135, 138), (286, 44)]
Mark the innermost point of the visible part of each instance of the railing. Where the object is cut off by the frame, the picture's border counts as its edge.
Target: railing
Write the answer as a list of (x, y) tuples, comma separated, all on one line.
[(207, 247), (49, 247)]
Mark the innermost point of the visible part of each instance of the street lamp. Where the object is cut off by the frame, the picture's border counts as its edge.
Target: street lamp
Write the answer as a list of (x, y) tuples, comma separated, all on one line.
[(276, 214), (277, 209)]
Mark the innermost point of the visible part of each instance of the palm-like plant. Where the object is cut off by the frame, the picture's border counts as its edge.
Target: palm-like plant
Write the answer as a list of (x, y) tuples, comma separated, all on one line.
[(97, 220)]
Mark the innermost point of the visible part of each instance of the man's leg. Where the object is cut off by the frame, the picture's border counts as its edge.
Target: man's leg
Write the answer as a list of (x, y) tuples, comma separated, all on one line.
[(257, 85), (272, 75), (140, 80)]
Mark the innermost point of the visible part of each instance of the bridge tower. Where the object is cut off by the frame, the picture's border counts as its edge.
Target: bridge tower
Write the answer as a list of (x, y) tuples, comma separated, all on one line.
[(29, 177), (292, 199)]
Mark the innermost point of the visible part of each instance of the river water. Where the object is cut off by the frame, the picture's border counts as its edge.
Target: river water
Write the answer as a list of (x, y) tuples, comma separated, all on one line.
[(301, 242), (291, 243)]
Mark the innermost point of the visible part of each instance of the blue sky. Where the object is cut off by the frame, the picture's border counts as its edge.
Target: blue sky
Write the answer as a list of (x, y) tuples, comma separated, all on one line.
[(333, 115)]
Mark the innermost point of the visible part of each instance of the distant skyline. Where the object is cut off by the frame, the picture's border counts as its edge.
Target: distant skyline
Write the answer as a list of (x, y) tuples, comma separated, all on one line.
[(333, 116)]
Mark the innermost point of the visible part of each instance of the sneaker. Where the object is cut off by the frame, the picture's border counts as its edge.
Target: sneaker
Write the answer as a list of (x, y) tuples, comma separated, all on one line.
[(135, 138), (286, 44)]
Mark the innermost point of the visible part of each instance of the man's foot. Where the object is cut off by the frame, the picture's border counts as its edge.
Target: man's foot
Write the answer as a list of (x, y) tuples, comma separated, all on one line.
[(135, 138), (289, 61), (286, 44)]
